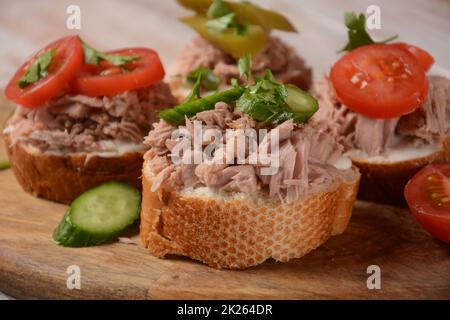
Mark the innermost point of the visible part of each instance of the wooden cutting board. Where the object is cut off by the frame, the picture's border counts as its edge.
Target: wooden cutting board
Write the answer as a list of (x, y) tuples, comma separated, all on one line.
[(412, 264)]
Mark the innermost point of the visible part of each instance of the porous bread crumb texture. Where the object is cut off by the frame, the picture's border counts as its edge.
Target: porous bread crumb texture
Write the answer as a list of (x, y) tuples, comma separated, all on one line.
[(63, 178), (239, 232)]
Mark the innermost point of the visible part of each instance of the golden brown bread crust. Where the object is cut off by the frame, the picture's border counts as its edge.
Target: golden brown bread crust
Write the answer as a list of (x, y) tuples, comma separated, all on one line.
[(385, 182), (63, 178), (240, 232)]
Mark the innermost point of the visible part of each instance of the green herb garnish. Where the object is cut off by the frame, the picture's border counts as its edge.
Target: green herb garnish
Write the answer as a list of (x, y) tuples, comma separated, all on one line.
[(195, 93), (222, 18), (267, 100), (245, 66), (5, 164), (357, 34), (222, 23), (93, 56), (38, 69), (218, 9), (209, 80), (273, 102)]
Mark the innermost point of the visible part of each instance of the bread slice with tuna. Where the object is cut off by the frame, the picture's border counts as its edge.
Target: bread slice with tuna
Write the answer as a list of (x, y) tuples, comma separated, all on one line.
[(384, 180), (235, 214), (75, 142), (62, 178), (390, 152)]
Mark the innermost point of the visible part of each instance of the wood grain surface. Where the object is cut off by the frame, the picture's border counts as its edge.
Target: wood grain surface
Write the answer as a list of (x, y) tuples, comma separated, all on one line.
[(413, 265)]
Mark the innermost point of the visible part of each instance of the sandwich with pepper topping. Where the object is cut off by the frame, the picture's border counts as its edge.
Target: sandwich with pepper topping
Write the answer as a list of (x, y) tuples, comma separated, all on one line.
[(226, 32), (81, 116), (233, 208), (391, 117)]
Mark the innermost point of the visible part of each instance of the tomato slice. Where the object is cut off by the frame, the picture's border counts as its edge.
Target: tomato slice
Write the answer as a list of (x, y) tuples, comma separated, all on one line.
[(109, 80), (425, 59), (379, 81), (62, 69), (428, 197)]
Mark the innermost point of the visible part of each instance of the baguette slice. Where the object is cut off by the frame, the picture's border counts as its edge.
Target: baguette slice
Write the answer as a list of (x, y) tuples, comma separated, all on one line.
[(240, 231), (62, 178), (385, 181)]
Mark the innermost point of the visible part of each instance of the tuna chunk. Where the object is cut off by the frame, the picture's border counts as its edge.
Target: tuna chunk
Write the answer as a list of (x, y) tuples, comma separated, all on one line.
[(374, 135), (220, 116), (242, 179), (289, 181), (80, 123), (433, 118)]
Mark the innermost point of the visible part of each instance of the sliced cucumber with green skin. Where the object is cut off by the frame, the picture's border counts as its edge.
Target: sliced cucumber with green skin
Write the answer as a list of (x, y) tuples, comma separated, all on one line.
[(301, 101), (98, 215), (5, 164)]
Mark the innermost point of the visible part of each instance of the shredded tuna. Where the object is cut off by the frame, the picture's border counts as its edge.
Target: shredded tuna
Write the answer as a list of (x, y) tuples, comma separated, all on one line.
[(299, 147), (220, 116), (276, 56), (432, 120), (82, 124), (427, 125)]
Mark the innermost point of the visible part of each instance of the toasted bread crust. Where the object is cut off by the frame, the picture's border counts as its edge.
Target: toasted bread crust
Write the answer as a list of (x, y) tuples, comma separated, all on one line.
[(385, 182), (240, 232), (63, 178)]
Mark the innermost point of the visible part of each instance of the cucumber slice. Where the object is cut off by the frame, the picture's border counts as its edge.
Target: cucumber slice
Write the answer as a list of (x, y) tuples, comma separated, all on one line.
[(300, 101), (99, 215), (5, 164)]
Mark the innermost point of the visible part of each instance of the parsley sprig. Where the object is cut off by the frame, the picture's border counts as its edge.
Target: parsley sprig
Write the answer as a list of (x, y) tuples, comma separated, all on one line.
[(195, 92), (208, 79), (357, 34), (93, 56), (222, 18), (270, 101), (38, 69), (245, 66), (218, 9)]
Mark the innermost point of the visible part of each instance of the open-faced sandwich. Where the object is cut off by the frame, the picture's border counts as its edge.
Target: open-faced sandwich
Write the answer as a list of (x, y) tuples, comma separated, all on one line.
[(392, 118), (227, 31), (237, 177), (82, 116)]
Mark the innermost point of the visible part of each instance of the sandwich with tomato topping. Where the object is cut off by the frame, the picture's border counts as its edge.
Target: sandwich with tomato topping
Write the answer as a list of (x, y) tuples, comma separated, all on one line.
[(231, 208), (227, 30), (391, 116), (81, 116)]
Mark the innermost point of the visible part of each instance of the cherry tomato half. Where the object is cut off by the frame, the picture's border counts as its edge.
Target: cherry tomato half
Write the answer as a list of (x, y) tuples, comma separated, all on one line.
[(428, 197), (425, 59), (63, 67), (379, 81), (109, 80)]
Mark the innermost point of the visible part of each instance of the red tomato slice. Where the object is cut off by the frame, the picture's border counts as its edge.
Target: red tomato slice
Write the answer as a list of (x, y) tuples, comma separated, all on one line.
[(64, 65), (109, 80), (379, 81), (428, 197), (425, 59)]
